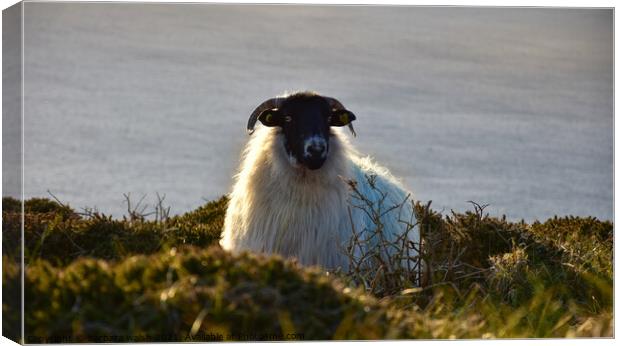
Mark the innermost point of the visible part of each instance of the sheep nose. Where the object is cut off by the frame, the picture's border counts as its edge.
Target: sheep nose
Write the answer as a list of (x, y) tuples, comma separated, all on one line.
[(315, 147), (316, 150)]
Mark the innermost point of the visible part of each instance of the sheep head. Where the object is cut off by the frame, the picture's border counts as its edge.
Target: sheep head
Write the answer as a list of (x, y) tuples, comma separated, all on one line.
[(305, 119)]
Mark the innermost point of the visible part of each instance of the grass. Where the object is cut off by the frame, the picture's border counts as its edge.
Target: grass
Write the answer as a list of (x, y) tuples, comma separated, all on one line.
[(93, 278)]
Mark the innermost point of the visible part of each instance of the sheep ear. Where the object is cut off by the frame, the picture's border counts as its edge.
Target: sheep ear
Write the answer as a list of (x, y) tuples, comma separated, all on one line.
[(270, 117), (341, 118)]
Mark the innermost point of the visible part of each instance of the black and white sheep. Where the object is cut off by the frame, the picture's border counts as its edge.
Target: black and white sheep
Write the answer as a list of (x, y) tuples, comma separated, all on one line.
[(290, 196)]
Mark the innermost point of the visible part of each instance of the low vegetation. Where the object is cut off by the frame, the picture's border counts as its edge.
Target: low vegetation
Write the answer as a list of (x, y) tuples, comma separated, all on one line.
[(90, 277)]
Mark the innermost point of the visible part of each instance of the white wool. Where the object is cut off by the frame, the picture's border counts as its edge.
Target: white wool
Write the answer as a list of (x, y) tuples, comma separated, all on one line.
[(277, 206)]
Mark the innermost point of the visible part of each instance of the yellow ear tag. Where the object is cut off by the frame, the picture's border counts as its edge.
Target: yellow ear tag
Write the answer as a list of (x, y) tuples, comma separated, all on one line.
[(268, 117), (344, 118)]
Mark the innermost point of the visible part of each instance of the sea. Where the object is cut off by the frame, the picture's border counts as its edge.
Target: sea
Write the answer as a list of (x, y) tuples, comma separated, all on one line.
[(506, 107)]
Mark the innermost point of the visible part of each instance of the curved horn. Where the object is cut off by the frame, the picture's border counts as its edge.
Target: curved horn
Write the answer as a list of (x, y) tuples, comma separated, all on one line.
[(333, 103), (337, 106), (269, 104)]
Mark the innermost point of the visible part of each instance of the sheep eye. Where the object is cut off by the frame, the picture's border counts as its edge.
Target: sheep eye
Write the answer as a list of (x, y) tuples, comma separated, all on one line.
[(287, 118)]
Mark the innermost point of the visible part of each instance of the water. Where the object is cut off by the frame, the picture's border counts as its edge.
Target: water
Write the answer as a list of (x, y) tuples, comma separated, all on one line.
[(507, 107)]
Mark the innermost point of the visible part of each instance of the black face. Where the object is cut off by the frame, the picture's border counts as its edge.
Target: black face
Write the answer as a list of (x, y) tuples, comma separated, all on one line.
[(305, 121)]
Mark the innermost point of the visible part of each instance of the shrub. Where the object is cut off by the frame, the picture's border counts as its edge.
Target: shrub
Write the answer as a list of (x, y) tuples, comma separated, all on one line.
[(90, 276), (60, 235), (190, 292)]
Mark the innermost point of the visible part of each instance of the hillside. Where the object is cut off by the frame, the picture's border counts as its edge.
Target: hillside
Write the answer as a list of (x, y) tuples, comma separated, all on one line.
[(90, 277)]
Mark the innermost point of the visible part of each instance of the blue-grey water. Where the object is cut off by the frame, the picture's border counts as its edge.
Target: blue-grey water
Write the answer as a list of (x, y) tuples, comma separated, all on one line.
[(507, 107)]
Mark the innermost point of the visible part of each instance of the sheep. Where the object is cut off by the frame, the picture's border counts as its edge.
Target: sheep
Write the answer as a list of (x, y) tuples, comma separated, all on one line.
[(291, 195)]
